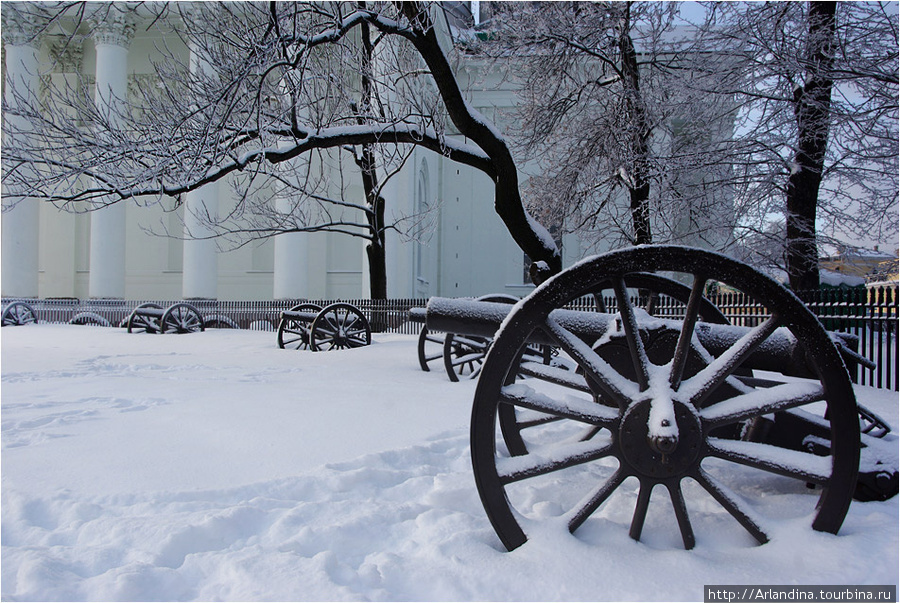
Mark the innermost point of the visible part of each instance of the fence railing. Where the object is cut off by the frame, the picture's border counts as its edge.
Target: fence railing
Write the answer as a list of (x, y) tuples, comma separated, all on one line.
[(869, 314)]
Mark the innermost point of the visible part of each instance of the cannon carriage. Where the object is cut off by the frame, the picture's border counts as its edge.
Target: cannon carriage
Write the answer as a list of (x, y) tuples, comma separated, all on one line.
[(713, 413), (153, 318), (338, 326), (17, 314), (462, 353)]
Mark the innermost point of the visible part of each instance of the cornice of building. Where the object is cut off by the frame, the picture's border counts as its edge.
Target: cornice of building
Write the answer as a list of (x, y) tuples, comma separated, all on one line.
[(19, 29), (112, 27)]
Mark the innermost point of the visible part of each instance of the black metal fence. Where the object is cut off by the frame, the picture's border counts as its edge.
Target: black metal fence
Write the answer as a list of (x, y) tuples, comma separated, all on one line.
[(870, 314)]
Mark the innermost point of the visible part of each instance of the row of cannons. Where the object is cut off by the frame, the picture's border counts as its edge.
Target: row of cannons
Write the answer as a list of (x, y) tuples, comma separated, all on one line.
[(146, 318), (575, 409), (306, 326)]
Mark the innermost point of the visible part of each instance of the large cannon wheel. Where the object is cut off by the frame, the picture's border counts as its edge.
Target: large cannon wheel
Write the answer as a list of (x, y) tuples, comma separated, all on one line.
[(655, 294), (464, 354), (182, 318), (17, 314), (670, 423), (339, 326), (293, 333), (142, 322)]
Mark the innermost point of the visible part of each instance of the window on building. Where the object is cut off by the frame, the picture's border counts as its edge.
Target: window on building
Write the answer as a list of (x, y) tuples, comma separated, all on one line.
[(421, 209)]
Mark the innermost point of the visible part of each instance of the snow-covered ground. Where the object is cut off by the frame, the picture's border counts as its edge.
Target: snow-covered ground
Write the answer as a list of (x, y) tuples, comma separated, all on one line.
[(214, 466)]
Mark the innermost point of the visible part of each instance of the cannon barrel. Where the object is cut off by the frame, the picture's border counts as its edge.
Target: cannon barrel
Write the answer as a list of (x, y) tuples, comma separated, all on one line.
[(779, 352)]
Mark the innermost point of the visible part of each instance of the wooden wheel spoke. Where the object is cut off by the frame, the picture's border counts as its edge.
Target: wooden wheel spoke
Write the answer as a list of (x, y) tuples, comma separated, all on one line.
[(554, 375), (681, 515), (468, 359), (593, 431), (539, 421), (683, 348), (762, 401), (713, 375), (732, 504), (613, 385), (587, 507), (640, 510), (468, 342), (570, 407), (773, 459), (632, 334), (518, 468), (652, 301)]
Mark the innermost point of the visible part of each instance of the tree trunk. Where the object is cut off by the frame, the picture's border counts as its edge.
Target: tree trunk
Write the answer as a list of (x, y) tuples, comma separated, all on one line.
[(533, 238), (375, 249), (638, 177), (812, 108)]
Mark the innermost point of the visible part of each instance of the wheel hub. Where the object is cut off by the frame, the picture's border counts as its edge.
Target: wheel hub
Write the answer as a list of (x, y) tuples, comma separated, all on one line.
[(660, 457)]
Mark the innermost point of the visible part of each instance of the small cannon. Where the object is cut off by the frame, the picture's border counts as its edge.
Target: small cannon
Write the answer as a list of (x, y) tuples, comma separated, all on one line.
[(337, 326), (153, 318), (90, 319), (684, 401), (17, 314), (463, 353)]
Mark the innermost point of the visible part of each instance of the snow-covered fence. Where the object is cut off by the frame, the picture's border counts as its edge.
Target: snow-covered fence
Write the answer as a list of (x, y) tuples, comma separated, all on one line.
[(870, 314)]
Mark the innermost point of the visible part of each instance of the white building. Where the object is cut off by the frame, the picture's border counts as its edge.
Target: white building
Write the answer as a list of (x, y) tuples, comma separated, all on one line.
[(111, 253)]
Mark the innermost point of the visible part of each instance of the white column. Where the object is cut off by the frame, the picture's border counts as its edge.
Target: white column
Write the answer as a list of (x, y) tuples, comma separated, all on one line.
[(58, 255), (107, 277), (291, 279), (200, 268), (20, 218)]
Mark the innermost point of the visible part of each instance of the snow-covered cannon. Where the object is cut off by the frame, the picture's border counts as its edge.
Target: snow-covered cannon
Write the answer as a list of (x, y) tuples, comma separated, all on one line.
[(463, 353), (153, 318), (17, 314), (686, 401), (337, 326)]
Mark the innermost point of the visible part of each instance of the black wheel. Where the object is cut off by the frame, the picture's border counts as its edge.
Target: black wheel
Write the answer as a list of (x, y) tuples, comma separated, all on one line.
[(293, 333), (182, 318), (431, 347), (17, 314), (685, 422), (142, 322), (339, 326), (464, 354), (90, 318), (652, 293)]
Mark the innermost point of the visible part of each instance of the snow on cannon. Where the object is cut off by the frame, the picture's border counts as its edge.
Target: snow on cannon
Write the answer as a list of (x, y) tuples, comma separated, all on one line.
[(153, 318), (337, 326), (17, 314), (714, 413)]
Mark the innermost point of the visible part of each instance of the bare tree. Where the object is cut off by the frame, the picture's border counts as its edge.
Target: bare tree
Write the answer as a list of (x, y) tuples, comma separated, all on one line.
[(611, 110), (816, 132), (294, 87)]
